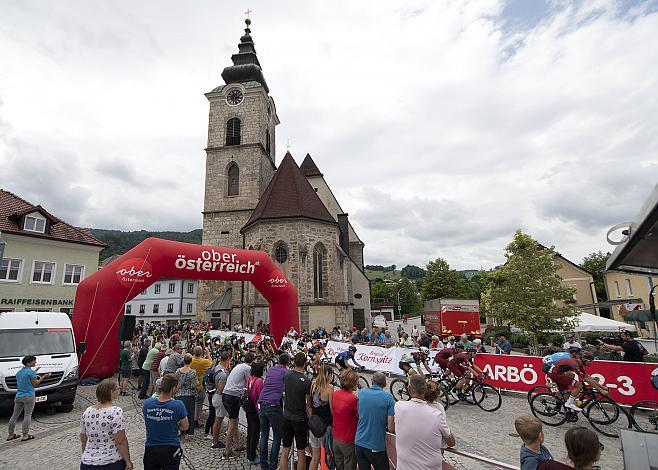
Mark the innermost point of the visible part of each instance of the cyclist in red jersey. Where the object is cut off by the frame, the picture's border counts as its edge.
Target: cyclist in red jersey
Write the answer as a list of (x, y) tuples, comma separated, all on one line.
[(570, 372), (443, 356), (460, 364)]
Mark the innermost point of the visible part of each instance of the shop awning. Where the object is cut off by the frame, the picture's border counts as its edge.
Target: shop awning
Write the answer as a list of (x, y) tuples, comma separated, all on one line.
[(639, 253), (638, 315)]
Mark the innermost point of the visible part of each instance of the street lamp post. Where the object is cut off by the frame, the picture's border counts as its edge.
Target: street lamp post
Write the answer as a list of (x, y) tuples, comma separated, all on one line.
[(399, 306)]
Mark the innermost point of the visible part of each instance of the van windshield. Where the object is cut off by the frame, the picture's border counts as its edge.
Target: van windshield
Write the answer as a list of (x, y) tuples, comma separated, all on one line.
[(36, 341)]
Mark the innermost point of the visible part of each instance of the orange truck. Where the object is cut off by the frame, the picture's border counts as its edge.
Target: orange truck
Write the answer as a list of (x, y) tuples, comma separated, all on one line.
[(445, 317)]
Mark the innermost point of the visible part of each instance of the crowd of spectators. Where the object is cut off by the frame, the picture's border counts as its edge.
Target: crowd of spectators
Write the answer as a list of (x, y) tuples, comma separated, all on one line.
[(177, 376)]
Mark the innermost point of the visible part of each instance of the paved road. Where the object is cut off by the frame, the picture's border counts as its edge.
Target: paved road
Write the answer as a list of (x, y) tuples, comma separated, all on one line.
[(489, 434)]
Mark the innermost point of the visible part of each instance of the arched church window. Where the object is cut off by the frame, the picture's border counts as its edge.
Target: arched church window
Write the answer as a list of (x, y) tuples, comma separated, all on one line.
[(267, 141), (233, 131), (280, 252), (319, 271), (233, 180)]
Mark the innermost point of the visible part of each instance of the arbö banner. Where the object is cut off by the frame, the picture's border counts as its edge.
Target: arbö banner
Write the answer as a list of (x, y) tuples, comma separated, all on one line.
[(628, 382)]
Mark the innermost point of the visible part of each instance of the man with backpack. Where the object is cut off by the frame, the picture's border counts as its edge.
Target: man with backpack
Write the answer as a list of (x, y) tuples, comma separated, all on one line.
[(218, 376), (633, 351)]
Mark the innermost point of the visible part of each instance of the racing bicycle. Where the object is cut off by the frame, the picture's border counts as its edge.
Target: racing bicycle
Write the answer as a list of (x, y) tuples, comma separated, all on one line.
[(603, 413), (400, 389), (477, 392)]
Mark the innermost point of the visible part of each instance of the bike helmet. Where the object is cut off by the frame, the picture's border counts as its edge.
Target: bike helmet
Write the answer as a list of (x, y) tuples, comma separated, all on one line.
[(352, 348), (574, 349), (586, 356), (654, 378), (424, 350)]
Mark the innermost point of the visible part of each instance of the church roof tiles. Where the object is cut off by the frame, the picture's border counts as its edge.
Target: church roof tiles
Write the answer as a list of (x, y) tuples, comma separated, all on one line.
[(309, 168), (289, 195)]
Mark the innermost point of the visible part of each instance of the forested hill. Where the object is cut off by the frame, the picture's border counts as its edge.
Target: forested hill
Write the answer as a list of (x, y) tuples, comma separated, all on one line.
[(119, 242)]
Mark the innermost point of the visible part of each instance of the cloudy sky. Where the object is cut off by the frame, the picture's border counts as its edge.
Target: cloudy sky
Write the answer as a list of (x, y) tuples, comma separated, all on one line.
[(441, 125)]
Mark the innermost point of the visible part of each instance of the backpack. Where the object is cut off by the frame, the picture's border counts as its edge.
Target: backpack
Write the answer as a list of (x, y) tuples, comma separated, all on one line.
[(642, 349), (208, 379), (246, 402)]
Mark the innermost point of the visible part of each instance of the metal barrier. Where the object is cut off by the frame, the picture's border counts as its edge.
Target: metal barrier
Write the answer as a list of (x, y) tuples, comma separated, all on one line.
[(479, 458)]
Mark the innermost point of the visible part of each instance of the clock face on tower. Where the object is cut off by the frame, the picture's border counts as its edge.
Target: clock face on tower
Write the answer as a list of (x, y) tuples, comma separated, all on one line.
[(234, 97)]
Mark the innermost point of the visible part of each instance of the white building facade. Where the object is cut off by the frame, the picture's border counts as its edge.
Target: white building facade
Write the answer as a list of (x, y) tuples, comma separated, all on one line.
[(167, 300)]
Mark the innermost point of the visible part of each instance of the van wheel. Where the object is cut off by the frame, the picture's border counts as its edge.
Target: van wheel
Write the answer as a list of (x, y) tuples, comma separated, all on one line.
[(66, 408)]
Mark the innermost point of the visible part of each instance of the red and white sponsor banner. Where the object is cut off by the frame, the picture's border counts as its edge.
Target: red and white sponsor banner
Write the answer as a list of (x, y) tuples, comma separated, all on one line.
[(374, 358), (628, 382)]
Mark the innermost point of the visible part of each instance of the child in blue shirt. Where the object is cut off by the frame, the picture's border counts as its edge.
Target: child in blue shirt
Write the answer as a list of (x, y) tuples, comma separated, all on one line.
[(532, 451)]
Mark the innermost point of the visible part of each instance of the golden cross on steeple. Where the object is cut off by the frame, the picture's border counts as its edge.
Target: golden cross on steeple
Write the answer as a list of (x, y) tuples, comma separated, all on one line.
[(248, 12)]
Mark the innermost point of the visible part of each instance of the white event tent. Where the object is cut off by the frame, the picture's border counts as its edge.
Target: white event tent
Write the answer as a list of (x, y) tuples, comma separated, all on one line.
[(589, 322)]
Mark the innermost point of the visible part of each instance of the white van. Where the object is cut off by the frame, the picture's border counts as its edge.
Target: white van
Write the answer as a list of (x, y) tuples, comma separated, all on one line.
[(49, 337)]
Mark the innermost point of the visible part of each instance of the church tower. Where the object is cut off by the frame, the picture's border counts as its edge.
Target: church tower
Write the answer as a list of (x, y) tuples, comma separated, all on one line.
[(240, 162)]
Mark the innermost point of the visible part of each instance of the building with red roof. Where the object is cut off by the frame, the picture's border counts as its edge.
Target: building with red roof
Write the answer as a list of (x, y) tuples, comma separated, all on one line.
[(44, 258)]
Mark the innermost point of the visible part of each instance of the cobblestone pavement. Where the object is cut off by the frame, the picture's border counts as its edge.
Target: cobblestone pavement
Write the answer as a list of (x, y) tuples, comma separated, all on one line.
[(487, 434)]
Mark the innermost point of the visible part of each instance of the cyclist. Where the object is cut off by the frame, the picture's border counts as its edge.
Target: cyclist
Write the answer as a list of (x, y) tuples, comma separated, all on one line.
[(570, 372), (443, 356), (419, 358), (342, 358), (461, 364), (286, 347), (316, 354), (551, 359)]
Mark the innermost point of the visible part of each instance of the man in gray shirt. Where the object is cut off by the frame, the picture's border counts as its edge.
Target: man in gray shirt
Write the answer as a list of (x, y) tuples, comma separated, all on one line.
[(221, 375), (235, 385), (175, 361)]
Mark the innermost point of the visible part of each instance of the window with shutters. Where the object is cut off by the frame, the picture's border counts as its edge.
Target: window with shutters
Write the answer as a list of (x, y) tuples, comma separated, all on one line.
[(233, 131)]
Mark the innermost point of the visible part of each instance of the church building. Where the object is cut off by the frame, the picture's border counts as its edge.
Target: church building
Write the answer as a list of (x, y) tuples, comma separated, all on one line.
[(288, 211)]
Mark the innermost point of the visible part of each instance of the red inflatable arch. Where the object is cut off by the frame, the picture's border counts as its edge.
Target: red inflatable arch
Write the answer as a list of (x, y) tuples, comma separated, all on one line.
[(100, 298)]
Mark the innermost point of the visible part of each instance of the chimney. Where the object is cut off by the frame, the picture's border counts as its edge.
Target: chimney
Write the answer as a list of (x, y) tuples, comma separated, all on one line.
[(343, 225)]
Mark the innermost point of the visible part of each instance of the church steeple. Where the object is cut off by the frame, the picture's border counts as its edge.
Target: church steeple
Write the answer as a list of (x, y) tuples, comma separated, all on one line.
[(246, 67)]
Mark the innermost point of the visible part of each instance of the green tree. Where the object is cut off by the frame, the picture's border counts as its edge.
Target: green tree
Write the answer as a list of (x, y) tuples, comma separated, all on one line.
[(528, 292), (595, 264), (381, 290), (443, 282), (412, 272), (410, 300)]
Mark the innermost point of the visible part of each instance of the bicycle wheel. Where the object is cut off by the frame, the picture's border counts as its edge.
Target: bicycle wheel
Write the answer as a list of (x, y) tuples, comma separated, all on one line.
[(486, 397), (399, 390), (538, 389), (447, 388), (363, 382), (644, 416), (335, 378), (548, 409), (606, 416)]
